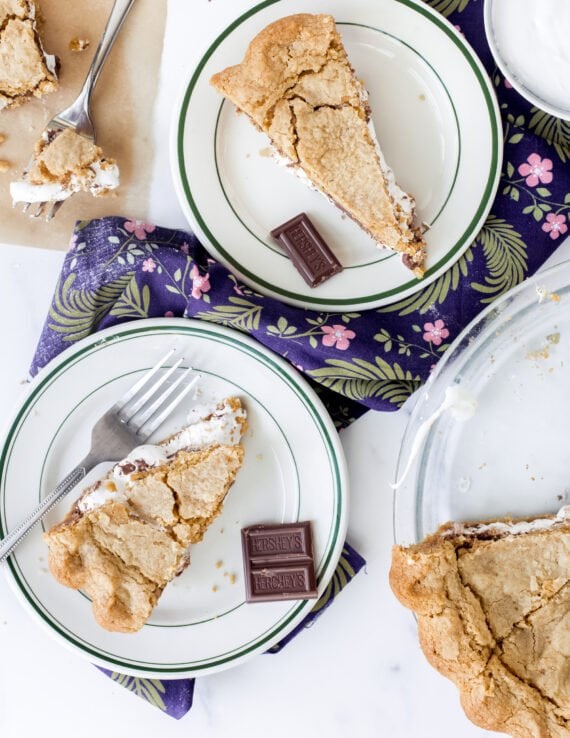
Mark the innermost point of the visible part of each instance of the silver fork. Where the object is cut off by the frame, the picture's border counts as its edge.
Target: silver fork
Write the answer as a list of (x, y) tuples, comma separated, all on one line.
[(127, 424), (77, 115)]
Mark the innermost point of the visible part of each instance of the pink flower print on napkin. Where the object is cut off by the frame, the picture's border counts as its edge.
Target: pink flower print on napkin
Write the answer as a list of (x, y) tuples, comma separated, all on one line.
[(435, 332), (149, 265), (555, 225), (338, 336), (139, 228), (199, 284), (536, 170)]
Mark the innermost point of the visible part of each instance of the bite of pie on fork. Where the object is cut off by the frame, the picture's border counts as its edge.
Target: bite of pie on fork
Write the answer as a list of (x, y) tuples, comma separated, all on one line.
[(66, 159)]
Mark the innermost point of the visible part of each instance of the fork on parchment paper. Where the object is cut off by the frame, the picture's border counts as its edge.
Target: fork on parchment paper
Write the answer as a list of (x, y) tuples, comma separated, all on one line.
[(49, 197)]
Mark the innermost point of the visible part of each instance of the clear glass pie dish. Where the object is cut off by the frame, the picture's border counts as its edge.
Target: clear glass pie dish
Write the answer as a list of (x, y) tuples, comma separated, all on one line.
[(512, 456)]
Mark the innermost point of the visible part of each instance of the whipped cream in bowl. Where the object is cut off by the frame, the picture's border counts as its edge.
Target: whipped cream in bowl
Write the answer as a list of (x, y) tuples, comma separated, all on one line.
[(529, 41)]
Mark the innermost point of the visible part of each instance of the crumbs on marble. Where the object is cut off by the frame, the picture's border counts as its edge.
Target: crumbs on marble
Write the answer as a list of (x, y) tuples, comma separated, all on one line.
[(4, 166), (542, 353), (552, 339), (422, 96), (232, 577), (266, 152), (79, 44), (219, 564), (259, 457), (215, 588)]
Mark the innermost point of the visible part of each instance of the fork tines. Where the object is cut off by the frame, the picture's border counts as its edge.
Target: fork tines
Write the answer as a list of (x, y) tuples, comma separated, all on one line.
[(145, 394)]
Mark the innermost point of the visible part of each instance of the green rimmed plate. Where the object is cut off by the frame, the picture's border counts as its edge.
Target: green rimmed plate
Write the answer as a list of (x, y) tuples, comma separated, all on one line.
[(294, 469), (437, 121)]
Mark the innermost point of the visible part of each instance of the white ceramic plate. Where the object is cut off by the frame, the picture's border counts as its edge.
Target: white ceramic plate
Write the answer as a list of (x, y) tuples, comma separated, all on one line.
[(529, 42), (437, 121), (511, 457), (294, 469)]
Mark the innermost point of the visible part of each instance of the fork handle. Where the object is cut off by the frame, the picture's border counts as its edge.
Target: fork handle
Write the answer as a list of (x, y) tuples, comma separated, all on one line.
[(9, 543), (114, 23)]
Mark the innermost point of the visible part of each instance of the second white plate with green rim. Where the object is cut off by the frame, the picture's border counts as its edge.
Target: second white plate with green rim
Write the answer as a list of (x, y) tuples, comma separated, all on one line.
[(294, 469), (438, 123)]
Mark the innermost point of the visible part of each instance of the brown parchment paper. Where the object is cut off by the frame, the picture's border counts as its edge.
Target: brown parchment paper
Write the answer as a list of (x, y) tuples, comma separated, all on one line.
[(122, 109)]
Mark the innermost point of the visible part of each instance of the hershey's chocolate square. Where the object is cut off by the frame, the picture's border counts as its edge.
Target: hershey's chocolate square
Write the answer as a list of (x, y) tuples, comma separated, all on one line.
[(278, 561), (306, 248)]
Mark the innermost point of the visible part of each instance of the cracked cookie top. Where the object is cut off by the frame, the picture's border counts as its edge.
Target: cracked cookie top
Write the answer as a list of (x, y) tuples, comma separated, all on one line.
[(493, 607), (25, 69), (300, 56), (129, 534)]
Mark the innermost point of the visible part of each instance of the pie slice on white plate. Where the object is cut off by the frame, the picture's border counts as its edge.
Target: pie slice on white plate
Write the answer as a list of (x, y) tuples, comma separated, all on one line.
[(296, 84), (131, 532)]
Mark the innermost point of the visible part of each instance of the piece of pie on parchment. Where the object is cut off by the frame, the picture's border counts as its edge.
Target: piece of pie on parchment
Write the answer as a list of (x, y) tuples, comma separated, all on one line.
[(64, 163), (296, 84), (25, 69), (493, 607)]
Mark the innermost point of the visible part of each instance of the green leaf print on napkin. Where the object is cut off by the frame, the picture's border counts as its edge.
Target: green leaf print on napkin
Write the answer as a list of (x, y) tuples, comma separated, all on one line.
[(447, 7), (76, 313), (554, 130), (148, 689), (435, 293), (343, 573), (241, 314), (506, 256), (133, 303), (359, 379)]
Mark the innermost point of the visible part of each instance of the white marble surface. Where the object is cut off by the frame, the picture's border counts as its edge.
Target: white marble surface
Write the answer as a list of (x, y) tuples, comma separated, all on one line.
[(358, 673)]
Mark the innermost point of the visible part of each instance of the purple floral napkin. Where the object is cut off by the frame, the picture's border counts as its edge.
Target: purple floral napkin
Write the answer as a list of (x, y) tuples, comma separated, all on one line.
[(119, 270)]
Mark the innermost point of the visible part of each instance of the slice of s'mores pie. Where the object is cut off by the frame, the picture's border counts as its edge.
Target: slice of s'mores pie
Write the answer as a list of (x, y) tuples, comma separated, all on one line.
[(492, 601), (25, 68), (64, 163), (296, 84), (130, 533)]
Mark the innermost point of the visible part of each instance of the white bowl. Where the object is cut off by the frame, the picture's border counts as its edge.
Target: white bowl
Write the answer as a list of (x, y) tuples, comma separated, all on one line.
[(529, 41)]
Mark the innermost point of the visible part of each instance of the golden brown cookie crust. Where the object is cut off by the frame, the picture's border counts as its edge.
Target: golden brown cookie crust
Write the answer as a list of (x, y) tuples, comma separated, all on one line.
[(494, 617), (70, 161), (24, 70), (123, 553)]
